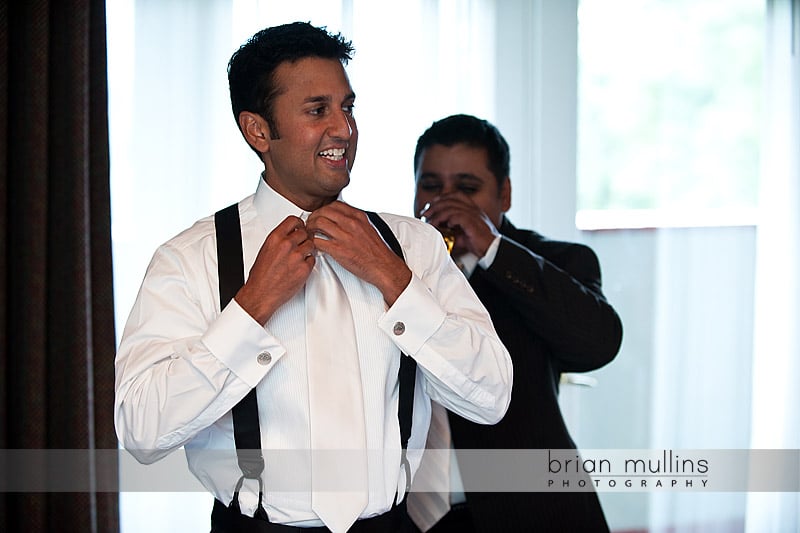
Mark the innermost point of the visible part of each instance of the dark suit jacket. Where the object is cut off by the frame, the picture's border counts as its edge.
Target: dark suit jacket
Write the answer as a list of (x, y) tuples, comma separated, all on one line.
[(546, 303)]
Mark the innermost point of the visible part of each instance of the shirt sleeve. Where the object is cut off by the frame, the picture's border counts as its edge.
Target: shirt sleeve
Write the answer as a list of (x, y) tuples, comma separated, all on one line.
[(556, 289), (182, 363), (440, 322)]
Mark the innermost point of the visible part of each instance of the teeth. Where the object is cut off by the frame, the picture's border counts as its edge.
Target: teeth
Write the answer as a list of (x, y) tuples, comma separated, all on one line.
[(334, 153)]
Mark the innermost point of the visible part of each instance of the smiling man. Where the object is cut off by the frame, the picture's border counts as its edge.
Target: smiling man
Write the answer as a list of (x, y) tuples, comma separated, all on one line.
[(292, 343)]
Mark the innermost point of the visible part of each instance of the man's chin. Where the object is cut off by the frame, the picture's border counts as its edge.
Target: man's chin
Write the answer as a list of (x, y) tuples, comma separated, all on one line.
[(333, 185)]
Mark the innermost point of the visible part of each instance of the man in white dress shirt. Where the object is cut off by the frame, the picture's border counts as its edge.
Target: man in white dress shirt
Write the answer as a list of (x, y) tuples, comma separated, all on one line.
[(185, 360)]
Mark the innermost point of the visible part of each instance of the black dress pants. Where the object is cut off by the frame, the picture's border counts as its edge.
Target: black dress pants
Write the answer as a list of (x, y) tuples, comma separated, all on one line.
[(225, 520)]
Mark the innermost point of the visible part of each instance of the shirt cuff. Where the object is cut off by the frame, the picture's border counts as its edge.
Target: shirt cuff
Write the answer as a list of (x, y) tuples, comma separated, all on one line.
[(414, 317), (242, 344), (486, 261)]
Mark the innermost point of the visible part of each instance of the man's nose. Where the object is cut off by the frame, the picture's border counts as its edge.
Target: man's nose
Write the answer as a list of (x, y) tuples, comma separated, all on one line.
[(448, 188), (343, 125)]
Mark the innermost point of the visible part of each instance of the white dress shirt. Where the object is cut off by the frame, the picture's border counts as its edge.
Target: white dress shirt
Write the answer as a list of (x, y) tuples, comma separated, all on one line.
[(183, 363), (467, 263)]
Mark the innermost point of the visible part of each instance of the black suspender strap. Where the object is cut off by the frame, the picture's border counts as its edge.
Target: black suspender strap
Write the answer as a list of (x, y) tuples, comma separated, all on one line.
[(408, 366), (230, 260), (246, 430)]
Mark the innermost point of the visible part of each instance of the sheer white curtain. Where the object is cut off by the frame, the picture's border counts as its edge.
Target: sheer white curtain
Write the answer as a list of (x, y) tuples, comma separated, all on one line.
[(176, 154), (776, 360)]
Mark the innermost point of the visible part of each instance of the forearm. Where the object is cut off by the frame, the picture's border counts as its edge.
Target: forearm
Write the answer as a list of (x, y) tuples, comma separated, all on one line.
[(467, 368), (567, 309), (164, 406), (174, 379)]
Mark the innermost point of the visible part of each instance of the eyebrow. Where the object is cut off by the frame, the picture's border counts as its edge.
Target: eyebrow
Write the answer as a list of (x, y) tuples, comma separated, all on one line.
[(465, 176), (429, 175), (461, 177), (316, 99), (326, 98)]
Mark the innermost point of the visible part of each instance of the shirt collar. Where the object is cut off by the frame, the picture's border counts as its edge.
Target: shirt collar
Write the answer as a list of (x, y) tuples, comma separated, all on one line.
[(272, 208), (467, 263)]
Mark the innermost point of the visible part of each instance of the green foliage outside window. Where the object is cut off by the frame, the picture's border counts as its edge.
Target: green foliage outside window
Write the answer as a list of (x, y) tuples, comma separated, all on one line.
[(669, 103)]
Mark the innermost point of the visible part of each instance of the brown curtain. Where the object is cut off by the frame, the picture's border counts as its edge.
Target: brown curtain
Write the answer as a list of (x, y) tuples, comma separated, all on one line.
[(57, 338)]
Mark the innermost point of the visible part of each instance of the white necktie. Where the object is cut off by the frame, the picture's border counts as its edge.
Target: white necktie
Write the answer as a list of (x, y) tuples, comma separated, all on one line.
[(338, 439), (429, 500)]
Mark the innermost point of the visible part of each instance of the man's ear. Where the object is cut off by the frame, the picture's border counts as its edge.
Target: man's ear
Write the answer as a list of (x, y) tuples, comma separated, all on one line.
[(505, 194), (255, 130)]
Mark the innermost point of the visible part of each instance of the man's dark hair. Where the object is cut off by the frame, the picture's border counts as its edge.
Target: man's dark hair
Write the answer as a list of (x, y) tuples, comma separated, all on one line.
[(472, 131), (251, 69)]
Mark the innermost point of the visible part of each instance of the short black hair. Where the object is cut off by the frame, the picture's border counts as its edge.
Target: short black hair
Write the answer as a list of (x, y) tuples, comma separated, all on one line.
[(472, 131), (251, 69)]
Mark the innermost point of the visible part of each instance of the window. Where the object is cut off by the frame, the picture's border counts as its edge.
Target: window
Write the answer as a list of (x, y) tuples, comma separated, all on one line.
[(670, 95)]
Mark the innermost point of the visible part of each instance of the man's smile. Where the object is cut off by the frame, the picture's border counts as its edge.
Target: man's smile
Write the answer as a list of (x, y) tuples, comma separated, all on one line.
[(334, 154)]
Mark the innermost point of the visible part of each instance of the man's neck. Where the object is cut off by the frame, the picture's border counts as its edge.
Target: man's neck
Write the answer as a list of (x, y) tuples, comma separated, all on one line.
[(306, 204)]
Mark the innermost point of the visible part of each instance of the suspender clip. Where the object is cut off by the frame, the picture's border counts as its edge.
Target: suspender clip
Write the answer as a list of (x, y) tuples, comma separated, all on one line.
[(407, 467)]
